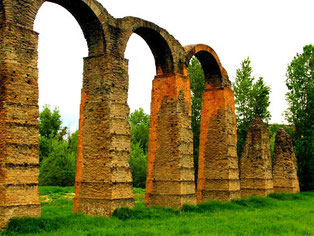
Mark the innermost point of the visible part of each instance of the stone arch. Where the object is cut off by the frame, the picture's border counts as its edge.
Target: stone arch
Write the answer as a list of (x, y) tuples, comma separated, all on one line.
[(218, 174), (215, 73), (89, 14), (168, 183), (165, 49), (19, 114)]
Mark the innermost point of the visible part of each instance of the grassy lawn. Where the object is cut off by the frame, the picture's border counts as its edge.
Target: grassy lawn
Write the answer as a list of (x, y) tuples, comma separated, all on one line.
[(278, 214)]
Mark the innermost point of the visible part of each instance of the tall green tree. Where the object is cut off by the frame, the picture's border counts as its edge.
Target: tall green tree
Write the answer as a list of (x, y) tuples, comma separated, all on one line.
[(50, 123), (73, 141), (139, 122), (50, 127), (300, 114), (58, 168), (251, 100), (197, 84), (57, 155), (138, 165)]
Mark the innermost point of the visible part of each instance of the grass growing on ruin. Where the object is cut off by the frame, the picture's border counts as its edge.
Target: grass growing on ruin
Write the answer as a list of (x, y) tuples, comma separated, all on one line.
[(291, 214)]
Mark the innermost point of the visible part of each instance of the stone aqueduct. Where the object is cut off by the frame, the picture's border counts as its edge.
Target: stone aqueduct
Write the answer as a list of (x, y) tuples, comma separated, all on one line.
[(103, 177)]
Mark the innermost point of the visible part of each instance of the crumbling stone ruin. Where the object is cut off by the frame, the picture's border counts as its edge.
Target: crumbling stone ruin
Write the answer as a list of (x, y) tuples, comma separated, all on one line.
[(255, 163), (285, 164), (103, 179), (103, 176), (218, 173)]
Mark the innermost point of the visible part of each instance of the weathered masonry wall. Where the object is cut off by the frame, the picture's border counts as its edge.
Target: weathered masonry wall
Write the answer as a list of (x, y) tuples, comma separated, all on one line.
[(285, 164), (170, 170), (218, 177), (103, 177), (255, 163), (19, 163), (218, 172)]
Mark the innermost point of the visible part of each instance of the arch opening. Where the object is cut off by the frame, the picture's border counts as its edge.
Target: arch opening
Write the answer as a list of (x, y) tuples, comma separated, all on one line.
[(160, 49), (196, 74), (89, 23), (60, 67), (210, 67), (217, 130), (141, 73)]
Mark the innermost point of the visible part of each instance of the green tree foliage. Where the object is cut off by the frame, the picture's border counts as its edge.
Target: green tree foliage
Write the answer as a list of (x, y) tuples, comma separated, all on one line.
[(300, 114), (138, 164), (58, 168), (57, 156), (50, 127), (139, 122), (50, 123), (197, 84), (72, 141), (251, 99)]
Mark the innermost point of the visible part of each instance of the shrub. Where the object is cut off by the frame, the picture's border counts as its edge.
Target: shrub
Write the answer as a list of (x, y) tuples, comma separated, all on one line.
[(58, 169), (138, 164)]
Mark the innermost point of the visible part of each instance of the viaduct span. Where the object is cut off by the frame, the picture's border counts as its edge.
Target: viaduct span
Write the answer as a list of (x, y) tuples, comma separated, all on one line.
[(103, 176)]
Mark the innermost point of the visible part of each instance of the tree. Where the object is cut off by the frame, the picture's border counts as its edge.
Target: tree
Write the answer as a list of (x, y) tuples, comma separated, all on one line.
[(72, 141), (138, 164), (197, 84), (139, 122), (300, 114), (50, 123), (251, 100), (57, 156), (58, 168), (50, 127)]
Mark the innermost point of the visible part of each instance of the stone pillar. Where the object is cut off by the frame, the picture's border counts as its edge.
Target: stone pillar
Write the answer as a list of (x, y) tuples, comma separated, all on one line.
[(170, 171), (19, 162), (218, 173), (103, 176), (255, 163), (285, 165)]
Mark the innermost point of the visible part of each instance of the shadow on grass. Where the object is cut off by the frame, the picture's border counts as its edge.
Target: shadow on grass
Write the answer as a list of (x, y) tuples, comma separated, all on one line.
[(35, 225), (54, 223), (124, 213), (288, 196)]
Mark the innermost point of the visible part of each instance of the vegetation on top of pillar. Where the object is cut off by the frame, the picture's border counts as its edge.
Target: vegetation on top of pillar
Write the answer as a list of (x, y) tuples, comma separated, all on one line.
[(251, 100), (197, 83), (300, 114)]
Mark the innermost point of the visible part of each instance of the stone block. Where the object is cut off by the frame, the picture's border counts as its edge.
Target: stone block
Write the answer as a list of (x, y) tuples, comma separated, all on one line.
[(255, 163), (285, 164), (218, 165)]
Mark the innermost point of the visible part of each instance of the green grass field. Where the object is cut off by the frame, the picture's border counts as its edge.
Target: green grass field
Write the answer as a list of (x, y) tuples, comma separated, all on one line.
[(278, 214)]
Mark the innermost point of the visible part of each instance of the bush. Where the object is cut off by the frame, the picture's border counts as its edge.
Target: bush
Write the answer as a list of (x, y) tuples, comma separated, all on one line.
[(58, 169), (138, 164)]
